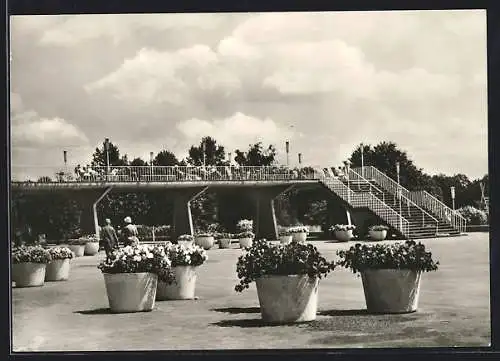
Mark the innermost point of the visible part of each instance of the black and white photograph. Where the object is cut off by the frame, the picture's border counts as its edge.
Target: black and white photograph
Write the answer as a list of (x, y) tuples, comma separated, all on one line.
[(249, 181)]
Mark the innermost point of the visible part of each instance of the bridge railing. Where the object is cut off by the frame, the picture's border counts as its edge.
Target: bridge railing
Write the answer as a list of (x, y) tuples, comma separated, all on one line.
[(162, 174)]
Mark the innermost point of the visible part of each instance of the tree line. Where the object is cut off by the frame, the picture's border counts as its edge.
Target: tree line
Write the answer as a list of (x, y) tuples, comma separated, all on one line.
[(58, 215)]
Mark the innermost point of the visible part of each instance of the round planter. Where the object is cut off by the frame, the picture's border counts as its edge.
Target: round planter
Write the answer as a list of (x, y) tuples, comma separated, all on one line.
[(344, 236), (206, 242), (245, 242), (183, 287), (299, 237), (285, 299), (286, 239), (377, 235), (131, 292), (391, 290), (224, 243), (57, 270), (78, 250), (28, 274), (91, 248), (186, 244)]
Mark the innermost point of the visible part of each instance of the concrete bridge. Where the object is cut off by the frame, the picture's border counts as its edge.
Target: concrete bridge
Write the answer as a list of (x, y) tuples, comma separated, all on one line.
[(358, 196)]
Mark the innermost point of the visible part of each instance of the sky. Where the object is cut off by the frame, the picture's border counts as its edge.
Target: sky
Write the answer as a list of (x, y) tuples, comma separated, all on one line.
[(325, 81)]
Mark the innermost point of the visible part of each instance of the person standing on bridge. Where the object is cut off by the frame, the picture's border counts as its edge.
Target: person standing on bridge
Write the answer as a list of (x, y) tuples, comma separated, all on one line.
[(109, 237), (130, 233)]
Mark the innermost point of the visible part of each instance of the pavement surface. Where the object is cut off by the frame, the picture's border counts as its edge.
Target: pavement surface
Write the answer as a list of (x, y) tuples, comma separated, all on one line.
[(73, 315)]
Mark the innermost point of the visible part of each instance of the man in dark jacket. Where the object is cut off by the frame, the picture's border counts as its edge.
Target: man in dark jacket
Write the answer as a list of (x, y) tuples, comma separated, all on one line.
[(109, 237)]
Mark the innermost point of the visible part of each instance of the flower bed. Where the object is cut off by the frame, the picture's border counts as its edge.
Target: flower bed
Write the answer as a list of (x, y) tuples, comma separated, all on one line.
[(29, 265)]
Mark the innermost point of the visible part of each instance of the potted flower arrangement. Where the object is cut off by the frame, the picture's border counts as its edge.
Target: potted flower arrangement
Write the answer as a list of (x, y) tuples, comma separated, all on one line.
[(131, 277), (299, 233), (287, 278), (185, 240), (343, 232), (246, 236), (378, 232), (225, 240), (184, 262), (91, 245), (390, 274), (205, 240), (77, 246), (28, 265), (284, 236), (58, 268)]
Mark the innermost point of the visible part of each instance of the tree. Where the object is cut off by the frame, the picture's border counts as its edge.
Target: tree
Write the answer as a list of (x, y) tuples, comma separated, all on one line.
[(214, 154), (138, 162), (384, 157), (99, 157), (462, 186), (165, 158), (256, 155)]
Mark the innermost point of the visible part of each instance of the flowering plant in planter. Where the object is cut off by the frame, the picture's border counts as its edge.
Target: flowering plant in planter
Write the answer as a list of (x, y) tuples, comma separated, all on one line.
[(61, 253), (204, 234), (379, 228), (264, 258), (186, 256), (30, 254), (245, 225), (137, 259), (408, 255), (227, 235), (284, 232), (185, 237), (246, 234), (343, 227), (298, 229)]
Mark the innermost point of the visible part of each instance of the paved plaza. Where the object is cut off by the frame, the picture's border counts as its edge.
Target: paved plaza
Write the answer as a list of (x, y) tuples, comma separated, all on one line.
[(73, 316)]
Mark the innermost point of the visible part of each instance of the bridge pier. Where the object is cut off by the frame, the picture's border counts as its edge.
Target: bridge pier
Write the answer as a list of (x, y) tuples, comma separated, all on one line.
[(265, 225), (183, 221)]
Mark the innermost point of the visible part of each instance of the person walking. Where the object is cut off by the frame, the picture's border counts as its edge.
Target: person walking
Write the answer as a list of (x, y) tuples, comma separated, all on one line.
[(109, 237), (130, 233)]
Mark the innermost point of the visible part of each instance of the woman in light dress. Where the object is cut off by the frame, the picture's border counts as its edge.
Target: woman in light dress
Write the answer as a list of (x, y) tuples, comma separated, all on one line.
[(130, 233)]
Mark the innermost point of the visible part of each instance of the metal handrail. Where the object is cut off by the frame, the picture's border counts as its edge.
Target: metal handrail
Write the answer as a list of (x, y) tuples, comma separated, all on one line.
[(427, 200)]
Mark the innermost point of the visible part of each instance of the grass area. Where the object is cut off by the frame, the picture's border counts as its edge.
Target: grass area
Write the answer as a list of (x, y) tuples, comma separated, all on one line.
[(454, 310)]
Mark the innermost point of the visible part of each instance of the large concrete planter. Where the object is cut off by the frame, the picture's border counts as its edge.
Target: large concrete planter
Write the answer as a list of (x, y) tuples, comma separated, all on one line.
[(131, 292), (286, 239), (91, 248), (28, 274), (186, 244), (182, 289), (299, 237), (206, 242), (245, 242), (378, 235), (344, 236), (285, 299), (78, 250), (391, 290), (57, 270), (224, 243)]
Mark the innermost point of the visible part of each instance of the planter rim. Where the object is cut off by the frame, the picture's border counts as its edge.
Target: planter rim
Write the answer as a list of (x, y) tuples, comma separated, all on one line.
[(128, 273), (32, 262), (294, 275)]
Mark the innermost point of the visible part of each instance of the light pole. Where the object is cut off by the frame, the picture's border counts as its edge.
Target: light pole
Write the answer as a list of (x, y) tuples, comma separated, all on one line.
[(399, 198), (347, 167), (203, 150), (151, 165), (287, 148), (106, 148), (362, 162), (300, 159), (229, 157), (452, 190)]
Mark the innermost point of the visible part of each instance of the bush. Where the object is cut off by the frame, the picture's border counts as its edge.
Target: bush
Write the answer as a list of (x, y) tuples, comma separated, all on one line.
[(264, 258), (408, 255), (473, 215)]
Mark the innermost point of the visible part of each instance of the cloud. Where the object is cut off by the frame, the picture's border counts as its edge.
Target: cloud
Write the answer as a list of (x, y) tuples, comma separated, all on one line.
[(236, 131), (167, 77)]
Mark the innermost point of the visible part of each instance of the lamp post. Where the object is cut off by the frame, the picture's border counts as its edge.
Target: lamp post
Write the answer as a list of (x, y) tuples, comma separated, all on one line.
[(347, 166), (300, 159), (106, 148), (229, 157), (287, 149), (452, 190), (203, 151), (151, 165), (362, 161), (399, 198)]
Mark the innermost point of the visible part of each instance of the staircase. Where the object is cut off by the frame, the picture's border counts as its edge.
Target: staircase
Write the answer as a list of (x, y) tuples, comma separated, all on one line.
[(368, 199), (419, 203)]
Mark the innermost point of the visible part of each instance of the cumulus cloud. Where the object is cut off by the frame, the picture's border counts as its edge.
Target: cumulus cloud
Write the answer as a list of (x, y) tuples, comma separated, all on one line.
[(236, 131)]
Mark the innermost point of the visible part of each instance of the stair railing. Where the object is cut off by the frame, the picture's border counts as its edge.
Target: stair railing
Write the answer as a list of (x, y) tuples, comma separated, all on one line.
[(421, 198), (369, 200)]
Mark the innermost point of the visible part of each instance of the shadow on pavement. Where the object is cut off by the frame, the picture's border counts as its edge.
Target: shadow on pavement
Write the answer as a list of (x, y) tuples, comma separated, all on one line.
[(236, 310), (97, 311), (360, 312), (250, 323)]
